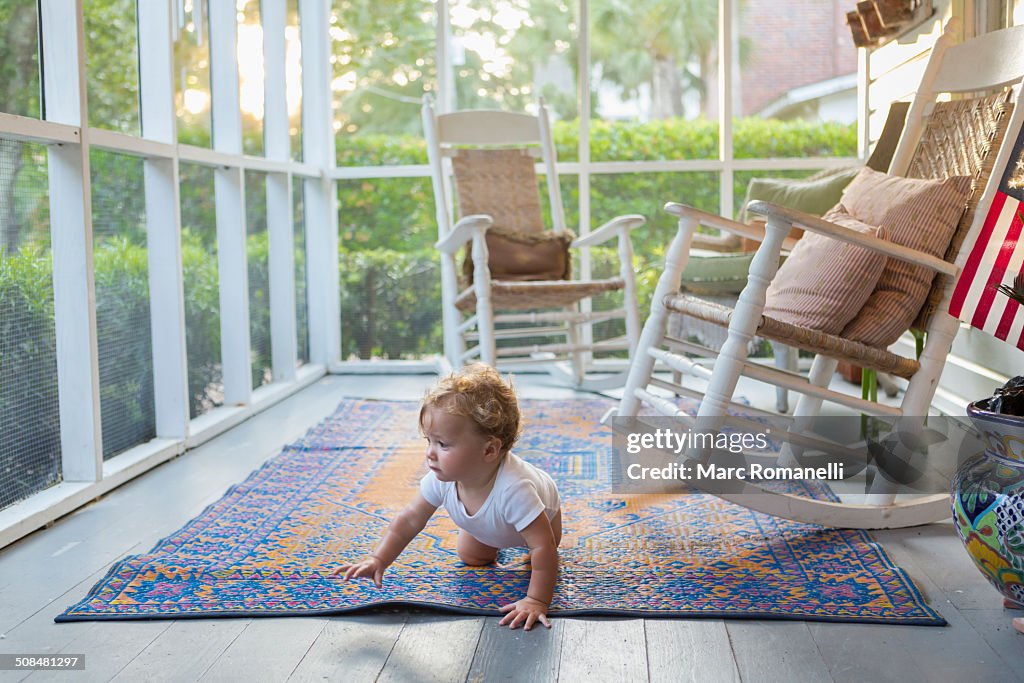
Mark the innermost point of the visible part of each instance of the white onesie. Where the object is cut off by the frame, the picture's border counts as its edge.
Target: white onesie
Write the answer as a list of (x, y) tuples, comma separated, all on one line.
[(521, 492)]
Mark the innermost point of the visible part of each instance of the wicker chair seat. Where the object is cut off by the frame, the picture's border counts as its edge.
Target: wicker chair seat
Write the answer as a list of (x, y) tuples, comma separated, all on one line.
[(800, 337), (516, 295)]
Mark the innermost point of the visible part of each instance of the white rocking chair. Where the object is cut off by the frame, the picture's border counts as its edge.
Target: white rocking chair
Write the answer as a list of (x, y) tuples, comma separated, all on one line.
[(941, 139), (487, 159)]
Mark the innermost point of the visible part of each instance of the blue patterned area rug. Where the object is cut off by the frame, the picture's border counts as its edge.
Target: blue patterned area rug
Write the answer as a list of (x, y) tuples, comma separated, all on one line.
[(268, 547)]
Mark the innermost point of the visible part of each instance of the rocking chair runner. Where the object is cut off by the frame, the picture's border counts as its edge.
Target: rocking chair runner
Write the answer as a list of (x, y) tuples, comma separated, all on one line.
[(941, 139), (487, 158)]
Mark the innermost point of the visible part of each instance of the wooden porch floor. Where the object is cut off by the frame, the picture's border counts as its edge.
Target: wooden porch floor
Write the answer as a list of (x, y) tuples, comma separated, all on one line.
[(45, 572)]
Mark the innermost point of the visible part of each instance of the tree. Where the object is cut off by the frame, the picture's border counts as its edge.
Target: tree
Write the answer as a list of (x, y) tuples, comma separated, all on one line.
[(19, 94), (668, 45), (383, 64)]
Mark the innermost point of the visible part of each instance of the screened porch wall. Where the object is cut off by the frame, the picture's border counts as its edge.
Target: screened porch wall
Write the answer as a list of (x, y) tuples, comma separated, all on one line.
[(160, 232)]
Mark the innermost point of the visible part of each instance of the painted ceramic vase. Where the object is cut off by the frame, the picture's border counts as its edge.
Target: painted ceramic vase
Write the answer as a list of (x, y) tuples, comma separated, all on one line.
[(988, 500)]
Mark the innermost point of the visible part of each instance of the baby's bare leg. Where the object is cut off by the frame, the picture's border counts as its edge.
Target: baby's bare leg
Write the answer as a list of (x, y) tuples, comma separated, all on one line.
[(473, 552)]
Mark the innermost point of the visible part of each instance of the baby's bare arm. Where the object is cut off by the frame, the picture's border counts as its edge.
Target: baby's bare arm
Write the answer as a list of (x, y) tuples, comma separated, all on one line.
[(403, 528), (544, 561), (543, 558)]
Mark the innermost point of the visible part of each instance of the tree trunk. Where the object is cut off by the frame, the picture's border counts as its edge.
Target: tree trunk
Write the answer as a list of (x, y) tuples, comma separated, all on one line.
[(10, 165), (704, 66), (666, 88), (18, 91)]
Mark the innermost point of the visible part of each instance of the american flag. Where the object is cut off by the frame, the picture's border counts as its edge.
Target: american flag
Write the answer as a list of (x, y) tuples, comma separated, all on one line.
[(996, 260)]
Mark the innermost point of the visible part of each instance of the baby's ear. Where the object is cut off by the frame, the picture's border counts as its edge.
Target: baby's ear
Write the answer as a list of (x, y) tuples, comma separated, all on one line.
[(492, 450)]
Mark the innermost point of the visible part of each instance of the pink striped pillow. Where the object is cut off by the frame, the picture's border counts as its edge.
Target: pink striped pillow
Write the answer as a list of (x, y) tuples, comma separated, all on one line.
[(920, 214), (825, 282)]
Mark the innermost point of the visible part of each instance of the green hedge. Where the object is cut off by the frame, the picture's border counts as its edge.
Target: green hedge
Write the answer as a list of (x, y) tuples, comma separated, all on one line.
[(29, 418), (383, 213)]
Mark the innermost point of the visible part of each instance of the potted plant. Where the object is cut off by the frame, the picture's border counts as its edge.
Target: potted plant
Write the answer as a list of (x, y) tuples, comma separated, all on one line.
[(988, 489)]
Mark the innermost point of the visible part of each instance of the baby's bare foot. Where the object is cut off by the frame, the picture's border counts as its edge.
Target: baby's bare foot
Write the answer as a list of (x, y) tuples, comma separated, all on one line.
[(1018, 624), (1011, 604)]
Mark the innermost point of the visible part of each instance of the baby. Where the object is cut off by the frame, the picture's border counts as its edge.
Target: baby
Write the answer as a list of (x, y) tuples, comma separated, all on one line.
[(470, 420)]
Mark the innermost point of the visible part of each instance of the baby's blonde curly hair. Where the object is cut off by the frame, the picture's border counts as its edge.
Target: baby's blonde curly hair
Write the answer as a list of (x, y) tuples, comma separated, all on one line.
[(478, 393)]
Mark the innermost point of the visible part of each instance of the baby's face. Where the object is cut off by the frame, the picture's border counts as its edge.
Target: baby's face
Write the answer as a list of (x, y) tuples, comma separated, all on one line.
[(455, 449)]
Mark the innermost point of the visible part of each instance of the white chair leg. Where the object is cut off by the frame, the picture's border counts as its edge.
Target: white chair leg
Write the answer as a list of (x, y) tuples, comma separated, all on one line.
[(786, 358), (920, 392), (454, 343), (887, 383), (484, 309), (629, 303), (642, 365), (575, 357), (808, 407)]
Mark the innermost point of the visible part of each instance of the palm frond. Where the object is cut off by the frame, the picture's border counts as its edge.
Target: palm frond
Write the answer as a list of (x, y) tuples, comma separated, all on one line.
[(1016, 292)]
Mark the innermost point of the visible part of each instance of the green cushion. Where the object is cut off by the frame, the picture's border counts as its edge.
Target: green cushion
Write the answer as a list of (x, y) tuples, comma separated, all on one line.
[(721, 274), (815, 195), (716, 273)]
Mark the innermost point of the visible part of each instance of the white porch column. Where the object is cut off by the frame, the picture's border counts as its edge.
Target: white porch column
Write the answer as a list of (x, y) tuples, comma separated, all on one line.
[(229, 194), (163, 222), (280, 226), (320, 197), (74, 292)]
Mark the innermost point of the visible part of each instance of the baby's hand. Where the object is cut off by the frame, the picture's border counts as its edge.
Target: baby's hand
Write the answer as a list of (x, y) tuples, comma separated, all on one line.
[(371, 567), (527, 610)]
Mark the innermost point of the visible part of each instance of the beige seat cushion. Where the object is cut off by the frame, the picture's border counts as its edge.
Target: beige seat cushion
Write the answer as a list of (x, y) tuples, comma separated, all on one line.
[(920, 214), (825, 282), (516, 255)]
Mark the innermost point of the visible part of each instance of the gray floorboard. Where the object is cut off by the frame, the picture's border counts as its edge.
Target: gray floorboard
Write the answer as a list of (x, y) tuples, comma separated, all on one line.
[(776, 651), (517, 655), (350, 649), (108, 647), (994, 625), (598, 650), (184, 651), (53, 568), (246, 657), (433, 648), (855, 652), (39, 634), (689, 650)]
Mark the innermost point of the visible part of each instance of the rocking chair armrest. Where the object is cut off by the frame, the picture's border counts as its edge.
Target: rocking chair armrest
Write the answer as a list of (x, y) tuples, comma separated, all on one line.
[(610, 229), (823, 227), (753, 232), (463, 232)]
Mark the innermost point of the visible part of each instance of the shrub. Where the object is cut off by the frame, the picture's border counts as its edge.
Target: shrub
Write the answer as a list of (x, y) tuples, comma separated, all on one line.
[(383, 213), (390, 303), (29, 415), (124, 344)]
